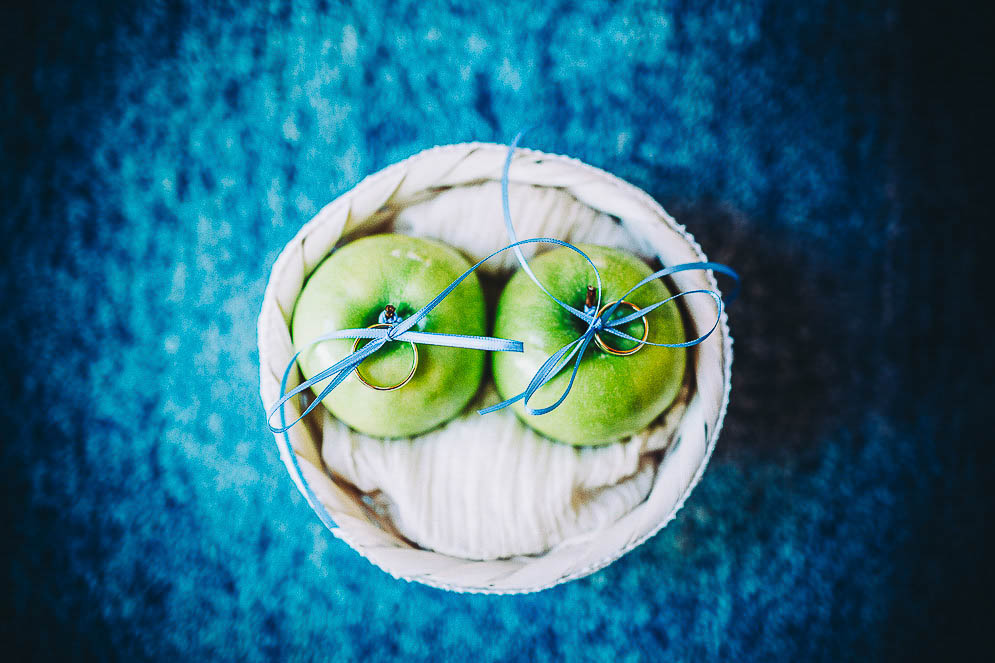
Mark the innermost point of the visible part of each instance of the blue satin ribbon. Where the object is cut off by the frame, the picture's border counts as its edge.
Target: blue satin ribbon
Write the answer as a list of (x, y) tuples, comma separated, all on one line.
[(603, 323), (398, 331), (401, 330)]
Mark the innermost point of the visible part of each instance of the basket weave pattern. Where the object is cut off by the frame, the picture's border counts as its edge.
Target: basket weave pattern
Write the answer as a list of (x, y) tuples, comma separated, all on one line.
[(375, 202)]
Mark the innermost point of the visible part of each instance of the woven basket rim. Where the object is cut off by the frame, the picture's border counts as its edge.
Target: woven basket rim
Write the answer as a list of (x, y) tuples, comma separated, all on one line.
[(629, 190)]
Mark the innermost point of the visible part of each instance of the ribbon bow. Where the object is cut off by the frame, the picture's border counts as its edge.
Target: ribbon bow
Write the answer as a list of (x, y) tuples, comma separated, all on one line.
[(595, 324)]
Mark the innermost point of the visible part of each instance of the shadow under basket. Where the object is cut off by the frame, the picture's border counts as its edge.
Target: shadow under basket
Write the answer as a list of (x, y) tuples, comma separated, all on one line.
[(452, 193)]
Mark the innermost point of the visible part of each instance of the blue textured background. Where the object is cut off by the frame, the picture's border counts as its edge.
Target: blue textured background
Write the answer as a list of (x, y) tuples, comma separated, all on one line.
[(155, 159)]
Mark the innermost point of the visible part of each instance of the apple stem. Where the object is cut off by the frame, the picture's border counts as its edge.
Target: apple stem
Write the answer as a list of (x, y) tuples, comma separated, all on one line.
[(589, 300), (388, 312)]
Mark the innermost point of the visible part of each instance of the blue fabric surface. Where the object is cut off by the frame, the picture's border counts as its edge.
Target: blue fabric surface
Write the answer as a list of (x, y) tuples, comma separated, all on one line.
[(155, 159)]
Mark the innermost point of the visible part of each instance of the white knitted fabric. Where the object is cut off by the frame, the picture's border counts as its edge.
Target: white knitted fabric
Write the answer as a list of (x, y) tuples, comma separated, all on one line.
[(486, 487)]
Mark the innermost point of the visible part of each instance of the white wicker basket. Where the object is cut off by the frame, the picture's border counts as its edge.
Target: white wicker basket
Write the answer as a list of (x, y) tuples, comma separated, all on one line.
[(373, 206)]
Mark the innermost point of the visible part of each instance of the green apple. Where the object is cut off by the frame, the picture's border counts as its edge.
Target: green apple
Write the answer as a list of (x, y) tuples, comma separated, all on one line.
[(613, 396), (350, 289)]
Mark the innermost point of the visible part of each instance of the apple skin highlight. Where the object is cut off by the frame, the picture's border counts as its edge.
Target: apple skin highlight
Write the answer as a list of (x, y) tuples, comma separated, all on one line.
[(612, 396), (350, 289)]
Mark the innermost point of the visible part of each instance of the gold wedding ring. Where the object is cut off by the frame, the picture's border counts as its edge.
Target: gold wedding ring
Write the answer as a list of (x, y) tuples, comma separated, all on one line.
[(615, 351), (414, 363)]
